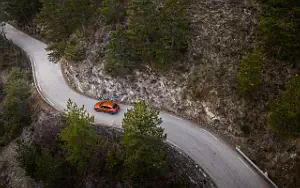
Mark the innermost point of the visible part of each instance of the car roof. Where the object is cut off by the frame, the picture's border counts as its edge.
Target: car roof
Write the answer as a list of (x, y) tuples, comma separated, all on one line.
[(107, 103)]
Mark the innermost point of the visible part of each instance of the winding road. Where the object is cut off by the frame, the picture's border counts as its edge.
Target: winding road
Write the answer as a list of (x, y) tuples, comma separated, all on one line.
[(221, 162)]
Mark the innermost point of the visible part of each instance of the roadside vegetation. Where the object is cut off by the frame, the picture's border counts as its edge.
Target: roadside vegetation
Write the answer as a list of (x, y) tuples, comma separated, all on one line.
[(280, 40), (81, 152), (249, 76), (156, 34), (284, 117), (15, 90)]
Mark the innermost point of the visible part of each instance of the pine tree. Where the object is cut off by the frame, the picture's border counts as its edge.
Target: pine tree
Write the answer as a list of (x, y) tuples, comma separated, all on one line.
[(78, 138), (284, 116), (280, 26), (156, 35), (22, 10), (59, 19), (143, 141)]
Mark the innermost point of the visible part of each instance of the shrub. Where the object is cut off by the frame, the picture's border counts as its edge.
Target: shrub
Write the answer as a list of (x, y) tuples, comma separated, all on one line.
[(113, 11), (119, 60), (156, 34), (10, 55), (249, 75), (74, 51), (15, 114), (41, 165), (49, 169), (22, 10), (284, 116), (56, 51), (27, 157), (280, 25)]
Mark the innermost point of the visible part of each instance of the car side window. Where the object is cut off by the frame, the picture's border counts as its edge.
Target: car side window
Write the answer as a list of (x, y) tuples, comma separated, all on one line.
[(106, 107)]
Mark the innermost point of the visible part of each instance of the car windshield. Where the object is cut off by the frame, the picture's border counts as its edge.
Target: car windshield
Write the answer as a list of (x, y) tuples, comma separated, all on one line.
[(115, 106)]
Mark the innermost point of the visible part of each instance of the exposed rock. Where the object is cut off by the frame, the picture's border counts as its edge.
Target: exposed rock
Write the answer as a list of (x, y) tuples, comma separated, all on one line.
[(285, 157), (204, 88)]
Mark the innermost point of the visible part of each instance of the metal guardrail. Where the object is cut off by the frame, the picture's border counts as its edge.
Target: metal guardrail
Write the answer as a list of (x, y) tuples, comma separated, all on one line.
[(265, 175)]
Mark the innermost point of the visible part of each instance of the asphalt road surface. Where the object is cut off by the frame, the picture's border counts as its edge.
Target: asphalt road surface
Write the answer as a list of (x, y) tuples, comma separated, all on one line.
[(221, 162)]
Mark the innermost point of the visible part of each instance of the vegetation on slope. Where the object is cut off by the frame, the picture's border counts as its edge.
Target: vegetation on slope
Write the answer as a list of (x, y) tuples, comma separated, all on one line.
[(14, 91), (280, 25), (81, 152), (284, 117)]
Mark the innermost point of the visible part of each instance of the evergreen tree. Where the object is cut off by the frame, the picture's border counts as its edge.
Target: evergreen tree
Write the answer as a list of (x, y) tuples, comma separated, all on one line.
[(113, 11), (22, 10), (16, 90), (280, 25), (156, 34), (143, 141), (284, 117), (59, 19), (249, 75), (78, 138)]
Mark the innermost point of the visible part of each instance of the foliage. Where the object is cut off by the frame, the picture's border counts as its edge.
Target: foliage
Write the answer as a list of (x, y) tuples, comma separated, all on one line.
[(249, 75), (284, 116), (280, 25), (49, 169), (74, 50), (156, 34), (56, 51), (22, 10), (27, 157), (10, 55), (78, 137), (114, 160), (59, 19), (113, 11), (15, 107), (119, 60), (143, 141), (41, 165)]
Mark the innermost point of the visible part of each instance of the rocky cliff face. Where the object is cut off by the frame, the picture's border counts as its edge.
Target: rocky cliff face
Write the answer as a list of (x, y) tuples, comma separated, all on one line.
[(202, 85)]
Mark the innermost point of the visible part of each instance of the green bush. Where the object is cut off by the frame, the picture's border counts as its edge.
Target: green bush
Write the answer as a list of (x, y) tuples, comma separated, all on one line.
[(284, 116), (56, 51), (249, 75), (15, 107), (49, 169), (10, 55), (74, 51), (27, 157), (41, 165), (113, 11), (22, 10), (154, 35), (280, 25)]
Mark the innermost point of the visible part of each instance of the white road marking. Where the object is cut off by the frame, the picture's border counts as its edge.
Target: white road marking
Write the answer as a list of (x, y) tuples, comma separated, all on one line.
[(175, 145), (50, 102), (175, 117), (38, 84), (211, 134), (246, 165)]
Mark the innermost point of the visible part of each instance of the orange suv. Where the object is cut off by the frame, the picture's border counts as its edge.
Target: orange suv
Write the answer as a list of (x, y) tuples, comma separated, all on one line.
[(107, 106)]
